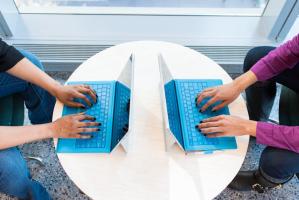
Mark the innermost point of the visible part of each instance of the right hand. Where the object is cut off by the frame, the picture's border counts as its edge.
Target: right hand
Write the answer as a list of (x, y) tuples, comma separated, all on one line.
[(67, 93), (72, 126), (226, 94)]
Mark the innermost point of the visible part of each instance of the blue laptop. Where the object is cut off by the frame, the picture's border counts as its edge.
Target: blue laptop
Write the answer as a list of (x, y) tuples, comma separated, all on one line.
[(112, 110), (181, 114)]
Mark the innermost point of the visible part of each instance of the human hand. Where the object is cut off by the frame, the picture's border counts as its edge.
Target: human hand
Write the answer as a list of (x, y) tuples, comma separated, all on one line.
[(226, 94), (227, 125), (71, 126), (66, 94)]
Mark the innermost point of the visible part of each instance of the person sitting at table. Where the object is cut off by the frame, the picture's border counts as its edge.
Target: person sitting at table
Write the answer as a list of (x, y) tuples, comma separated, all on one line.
[(20, 75), (264, 67)]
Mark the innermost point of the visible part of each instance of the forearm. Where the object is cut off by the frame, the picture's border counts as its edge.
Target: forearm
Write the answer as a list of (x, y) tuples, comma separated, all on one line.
[(27, 71), (245, 80), (13, 136)]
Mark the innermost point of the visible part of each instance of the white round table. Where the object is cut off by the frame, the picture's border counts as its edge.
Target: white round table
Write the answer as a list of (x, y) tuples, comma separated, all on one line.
[(147, 171)]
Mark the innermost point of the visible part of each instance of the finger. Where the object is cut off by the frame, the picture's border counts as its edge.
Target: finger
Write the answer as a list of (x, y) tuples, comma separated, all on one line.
[(78, 114), (92, 90), (88, 130), (211, 130), (87, 90), (214, 135), (209, 124), (85, 117), (208, 89), (213, 119), (75, 104), (204, 95), (219, 106), (82, 96), (209, 103), (88, 124)]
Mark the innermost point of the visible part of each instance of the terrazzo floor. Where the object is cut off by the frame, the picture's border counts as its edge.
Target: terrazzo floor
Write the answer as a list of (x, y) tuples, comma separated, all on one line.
[(53, 177)]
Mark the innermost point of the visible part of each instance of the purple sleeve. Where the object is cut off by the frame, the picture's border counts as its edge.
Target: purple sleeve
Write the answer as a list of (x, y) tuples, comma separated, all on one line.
[(283, 57), (284, 137)]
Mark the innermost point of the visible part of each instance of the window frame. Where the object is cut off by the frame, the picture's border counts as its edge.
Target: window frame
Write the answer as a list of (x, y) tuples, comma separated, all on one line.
[(126, 10), (115, 29), (4, 28)]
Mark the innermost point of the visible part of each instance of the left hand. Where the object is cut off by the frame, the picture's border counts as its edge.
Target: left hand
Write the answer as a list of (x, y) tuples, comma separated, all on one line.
[(67, 93), (225, 94), (227, 125)]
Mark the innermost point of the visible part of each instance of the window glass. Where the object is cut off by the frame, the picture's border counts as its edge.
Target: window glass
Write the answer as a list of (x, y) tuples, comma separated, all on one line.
[(180, 7)]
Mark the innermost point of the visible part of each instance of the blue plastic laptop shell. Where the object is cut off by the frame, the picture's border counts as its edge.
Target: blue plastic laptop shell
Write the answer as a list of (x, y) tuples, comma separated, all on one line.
[(110, 110), (183, 115)]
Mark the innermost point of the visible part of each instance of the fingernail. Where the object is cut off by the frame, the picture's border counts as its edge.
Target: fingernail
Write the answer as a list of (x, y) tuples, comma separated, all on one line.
[(205, 135), (83, 107), (94, 119), (201, 122), (99, 124), (98, 129), (196, 100), (200, 111), (213, 110), (196, 126)]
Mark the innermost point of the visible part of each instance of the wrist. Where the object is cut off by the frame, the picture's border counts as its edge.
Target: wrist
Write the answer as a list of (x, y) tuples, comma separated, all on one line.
[(245, 81), (250, 127), (239, 85), (50, 130), (55, 88)]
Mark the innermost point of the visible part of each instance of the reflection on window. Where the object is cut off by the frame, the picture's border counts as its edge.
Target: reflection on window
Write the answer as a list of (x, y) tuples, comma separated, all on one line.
[(184, 7)]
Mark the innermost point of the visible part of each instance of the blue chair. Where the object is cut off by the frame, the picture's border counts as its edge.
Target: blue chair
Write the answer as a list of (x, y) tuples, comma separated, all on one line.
[(12, 107)]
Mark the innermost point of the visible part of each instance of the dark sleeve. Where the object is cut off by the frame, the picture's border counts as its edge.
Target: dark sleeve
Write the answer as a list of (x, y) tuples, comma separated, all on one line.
[(9, 56)]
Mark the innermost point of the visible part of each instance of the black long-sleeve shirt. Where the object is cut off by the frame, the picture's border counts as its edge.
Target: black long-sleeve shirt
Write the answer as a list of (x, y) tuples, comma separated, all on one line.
[(9, 56)]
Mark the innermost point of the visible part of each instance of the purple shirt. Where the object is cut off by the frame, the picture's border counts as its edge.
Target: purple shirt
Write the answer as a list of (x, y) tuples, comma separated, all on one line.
[(283, 57)]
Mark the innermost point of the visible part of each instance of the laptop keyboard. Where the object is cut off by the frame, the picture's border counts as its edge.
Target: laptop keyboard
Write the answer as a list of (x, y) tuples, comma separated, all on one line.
[(103, 113), (187, 92)]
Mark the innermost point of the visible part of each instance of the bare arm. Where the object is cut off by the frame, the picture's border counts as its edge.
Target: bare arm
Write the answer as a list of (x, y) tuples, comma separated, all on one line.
[(14, 63), (29, 72), (226, 93), (67, 127), (13, 136)]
